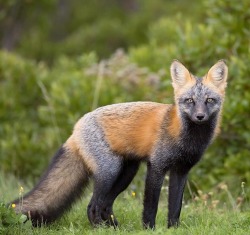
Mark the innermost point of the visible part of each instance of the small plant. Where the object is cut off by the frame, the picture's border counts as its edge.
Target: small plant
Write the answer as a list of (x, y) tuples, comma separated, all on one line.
[(222, 196), (8, 216)]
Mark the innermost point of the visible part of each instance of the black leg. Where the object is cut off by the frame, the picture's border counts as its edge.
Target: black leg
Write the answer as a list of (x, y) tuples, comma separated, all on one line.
[(177, 181), (126, 175), (95, 205), (105, 192), (103, 182), (153, 185)]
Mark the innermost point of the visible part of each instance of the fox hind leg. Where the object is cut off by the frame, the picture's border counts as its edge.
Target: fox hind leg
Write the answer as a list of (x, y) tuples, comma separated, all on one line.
[(104, 179), (107, 186), (127, 173)]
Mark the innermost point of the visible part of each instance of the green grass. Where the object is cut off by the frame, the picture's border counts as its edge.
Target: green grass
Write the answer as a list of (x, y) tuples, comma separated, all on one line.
[(204, 215)]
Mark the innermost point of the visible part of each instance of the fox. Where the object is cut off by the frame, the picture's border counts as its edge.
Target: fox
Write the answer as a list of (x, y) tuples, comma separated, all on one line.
[(108, 145)]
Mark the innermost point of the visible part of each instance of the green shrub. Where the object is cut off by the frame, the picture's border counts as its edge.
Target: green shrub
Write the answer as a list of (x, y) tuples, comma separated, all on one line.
[(9, 218), (39, 106), (225, 34), (47, 29), (22, 135)]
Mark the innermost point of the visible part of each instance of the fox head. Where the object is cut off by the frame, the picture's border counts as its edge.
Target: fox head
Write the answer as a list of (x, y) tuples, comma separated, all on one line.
[(199, 99)]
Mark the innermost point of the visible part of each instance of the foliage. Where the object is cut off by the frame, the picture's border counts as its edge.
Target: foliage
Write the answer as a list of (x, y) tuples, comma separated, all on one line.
[(46, 29), (39, 106), (40, 101), (9, 218), (20, 129), (224, 35)]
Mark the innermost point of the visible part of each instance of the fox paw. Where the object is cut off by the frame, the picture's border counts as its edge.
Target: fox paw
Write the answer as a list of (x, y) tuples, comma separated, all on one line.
[(101, 215), (109, 217)]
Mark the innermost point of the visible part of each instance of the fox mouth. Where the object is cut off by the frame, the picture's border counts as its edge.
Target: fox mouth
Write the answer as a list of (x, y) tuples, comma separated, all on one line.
[(200, 122)]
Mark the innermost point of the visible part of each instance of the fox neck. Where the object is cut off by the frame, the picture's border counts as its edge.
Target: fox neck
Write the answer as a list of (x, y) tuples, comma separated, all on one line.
[(196, 137), (183, 129)]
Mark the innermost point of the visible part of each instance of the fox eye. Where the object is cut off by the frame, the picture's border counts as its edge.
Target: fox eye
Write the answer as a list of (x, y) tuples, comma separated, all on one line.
[(189, 100), (210, 100)]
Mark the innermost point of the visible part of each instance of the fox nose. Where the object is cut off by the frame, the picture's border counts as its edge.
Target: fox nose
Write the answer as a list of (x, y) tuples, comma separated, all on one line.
[(200, 116)]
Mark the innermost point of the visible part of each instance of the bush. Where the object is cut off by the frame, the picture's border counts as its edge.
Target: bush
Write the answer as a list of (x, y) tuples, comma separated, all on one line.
[(39, 106), (22, 135), (225, 34), (47, 29)]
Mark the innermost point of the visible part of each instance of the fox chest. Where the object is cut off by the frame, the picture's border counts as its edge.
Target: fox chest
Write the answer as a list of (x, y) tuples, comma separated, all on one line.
[(185, 152)]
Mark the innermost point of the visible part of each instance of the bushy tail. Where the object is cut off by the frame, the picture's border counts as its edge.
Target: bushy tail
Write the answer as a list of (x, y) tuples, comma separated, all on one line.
[(60, 186)]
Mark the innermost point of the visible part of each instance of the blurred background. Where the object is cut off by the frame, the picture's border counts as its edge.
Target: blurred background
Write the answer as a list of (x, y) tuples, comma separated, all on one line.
[(60, 59)]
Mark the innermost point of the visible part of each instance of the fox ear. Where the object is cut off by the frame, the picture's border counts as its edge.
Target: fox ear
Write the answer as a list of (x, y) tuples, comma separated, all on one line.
[(217, 74), (180, 75)]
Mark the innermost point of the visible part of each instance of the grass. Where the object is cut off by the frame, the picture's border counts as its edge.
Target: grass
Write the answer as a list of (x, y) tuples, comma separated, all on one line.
[(206, 214)]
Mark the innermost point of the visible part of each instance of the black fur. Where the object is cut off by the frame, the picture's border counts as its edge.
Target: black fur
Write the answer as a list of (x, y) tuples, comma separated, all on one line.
[(177, 158), (103, 212), (65, 199)]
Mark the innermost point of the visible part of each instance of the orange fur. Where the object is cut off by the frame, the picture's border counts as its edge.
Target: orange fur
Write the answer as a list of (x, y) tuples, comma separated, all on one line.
[(216, 77), (174, 126), (135, 133), (182, 79), (207, 82), (181, 90), (217, 128), (72, 146)]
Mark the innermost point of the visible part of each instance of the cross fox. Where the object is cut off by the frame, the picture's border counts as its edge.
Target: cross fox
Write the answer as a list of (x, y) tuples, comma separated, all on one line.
[(109, 143)]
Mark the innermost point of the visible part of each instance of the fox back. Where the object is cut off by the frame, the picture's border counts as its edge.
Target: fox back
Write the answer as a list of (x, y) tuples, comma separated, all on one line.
[(109, 143)]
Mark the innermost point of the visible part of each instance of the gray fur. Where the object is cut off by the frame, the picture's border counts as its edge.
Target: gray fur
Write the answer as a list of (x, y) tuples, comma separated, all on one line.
[(200, 93), (96, 144)]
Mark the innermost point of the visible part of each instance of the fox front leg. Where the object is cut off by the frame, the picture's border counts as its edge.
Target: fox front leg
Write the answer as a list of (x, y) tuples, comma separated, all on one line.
[(177, 182), (153, 185)]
